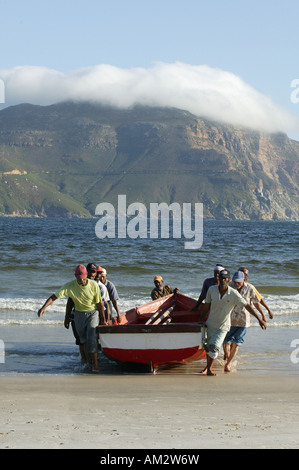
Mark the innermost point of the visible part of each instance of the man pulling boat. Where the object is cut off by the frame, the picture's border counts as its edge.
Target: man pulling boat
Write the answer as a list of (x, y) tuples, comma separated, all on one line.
[(89, 309), (220, 301)]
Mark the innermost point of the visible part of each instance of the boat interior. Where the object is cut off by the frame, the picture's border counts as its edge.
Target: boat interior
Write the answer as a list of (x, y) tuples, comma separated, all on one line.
[(175, 308)]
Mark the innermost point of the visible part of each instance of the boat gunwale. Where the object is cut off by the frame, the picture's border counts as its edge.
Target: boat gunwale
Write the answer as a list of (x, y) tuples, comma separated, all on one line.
[(142, 328)]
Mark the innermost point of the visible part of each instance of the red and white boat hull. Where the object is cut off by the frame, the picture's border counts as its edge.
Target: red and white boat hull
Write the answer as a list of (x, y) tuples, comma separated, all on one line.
[(152, 344)]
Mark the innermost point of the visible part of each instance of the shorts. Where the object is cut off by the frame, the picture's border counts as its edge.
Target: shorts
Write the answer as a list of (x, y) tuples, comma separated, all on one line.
[(215, 339), (78, 342), (86, 324), (236, 335)]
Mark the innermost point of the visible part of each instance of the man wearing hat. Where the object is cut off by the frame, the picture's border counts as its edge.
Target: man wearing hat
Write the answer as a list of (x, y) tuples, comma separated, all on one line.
[(88, 305), (160, 290), (210, 281), (91, 271), (69, 316), (220, 301), (240, 319)]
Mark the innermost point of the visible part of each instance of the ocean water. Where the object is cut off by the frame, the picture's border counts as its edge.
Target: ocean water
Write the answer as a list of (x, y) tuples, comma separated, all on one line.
[(39, 255)]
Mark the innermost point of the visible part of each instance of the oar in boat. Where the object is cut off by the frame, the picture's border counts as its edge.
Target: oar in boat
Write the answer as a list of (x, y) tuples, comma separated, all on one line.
[(154, 316), (164, 315)]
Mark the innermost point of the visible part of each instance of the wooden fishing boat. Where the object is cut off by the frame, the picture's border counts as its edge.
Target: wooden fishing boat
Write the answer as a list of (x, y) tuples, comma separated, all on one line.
[(163, 331)]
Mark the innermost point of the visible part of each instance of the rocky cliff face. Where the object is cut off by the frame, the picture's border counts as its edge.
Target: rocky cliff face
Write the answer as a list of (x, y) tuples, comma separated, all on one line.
[(263, 170), (67, 158)]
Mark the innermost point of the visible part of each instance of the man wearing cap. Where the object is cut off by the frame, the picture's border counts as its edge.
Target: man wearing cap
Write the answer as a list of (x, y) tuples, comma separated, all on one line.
[(113, 295), (210, 281), (88, 305), (160, 290), (70, 305), (240, 319), (69, 316), (92, 273), (220, 301)]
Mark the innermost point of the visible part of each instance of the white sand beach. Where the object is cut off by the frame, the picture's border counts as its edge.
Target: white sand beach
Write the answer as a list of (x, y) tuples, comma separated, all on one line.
[(167, 411)]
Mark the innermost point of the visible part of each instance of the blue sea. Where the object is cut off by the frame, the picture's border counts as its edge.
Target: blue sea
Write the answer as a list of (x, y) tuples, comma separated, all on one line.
[(40, 254)]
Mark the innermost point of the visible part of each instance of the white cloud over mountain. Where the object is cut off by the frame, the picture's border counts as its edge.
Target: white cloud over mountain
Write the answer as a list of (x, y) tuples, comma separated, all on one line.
[(204, 91)]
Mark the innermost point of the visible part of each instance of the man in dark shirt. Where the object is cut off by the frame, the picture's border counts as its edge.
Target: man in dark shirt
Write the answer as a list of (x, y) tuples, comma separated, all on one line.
[(210, 281), (160, 290)]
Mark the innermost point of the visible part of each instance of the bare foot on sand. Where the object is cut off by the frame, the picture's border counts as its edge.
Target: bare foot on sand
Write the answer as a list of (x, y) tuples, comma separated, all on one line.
[(205, 371)]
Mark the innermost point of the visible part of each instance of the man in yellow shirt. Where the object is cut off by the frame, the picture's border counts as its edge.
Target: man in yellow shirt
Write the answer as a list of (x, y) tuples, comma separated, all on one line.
[(86, 296)]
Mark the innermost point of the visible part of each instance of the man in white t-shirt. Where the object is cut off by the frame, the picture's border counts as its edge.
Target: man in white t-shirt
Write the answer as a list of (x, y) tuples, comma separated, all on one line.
[(220, 301), (104, 293), (113, 295)]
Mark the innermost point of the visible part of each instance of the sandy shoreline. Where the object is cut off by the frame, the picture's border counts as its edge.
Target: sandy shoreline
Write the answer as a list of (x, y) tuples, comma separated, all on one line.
[(149, 411)]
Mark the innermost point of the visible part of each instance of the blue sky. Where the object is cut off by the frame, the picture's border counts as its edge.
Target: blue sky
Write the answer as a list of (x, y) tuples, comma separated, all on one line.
[(254, 41)]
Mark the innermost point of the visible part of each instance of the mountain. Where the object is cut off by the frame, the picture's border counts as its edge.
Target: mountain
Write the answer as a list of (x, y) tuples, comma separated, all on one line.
[(64, 159)]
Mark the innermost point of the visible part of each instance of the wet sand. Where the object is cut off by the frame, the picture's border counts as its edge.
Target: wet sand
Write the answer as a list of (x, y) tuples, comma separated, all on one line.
[(143, 411)]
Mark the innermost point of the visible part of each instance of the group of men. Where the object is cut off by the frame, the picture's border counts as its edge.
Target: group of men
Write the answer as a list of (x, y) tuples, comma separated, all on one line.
[(228, 302), (90, 297)]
